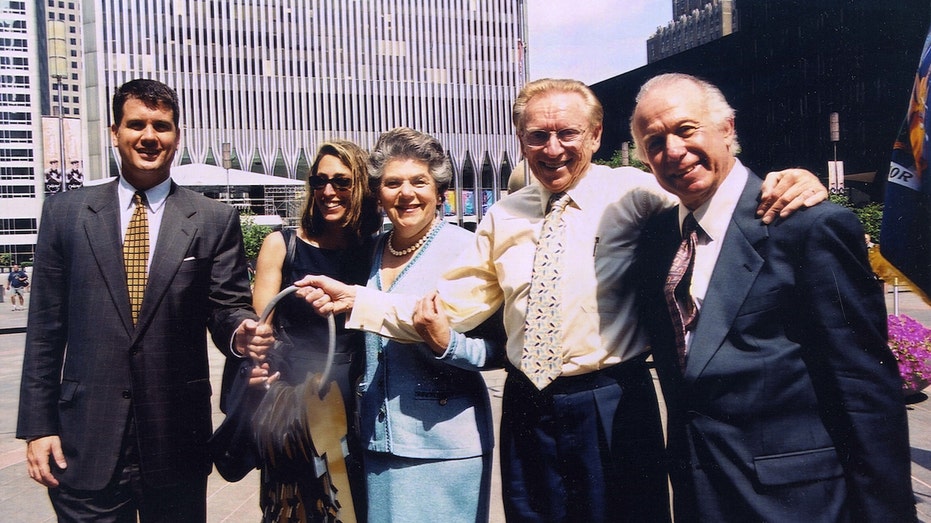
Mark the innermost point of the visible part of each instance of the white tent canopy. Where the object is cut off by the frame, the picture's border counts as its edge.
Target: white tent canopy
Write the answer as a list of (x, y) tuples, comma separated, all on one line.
[(201, 174), (204, 175)]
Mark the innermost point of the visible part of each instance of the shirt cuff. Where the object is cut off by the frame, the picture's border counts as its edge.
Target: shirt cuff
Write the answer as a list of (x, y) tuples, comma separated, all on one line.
[(366, 313), (451, 348), (386, 314)]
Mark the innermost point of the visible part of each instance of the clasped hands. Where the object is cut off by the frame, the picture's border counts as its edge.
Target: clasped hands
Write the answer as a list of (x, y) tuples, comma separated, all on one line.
[(253, 340)]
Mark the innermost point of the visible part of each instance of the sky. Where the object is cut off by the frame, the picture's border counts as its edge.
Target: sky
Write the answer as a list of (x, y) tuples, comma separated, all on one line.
[(591, 40)]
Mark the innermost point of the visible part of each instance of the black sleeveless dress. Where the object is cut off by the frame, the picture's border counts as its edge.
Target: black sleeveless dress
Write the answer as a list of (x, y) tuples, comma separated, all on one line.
[(290, 488)]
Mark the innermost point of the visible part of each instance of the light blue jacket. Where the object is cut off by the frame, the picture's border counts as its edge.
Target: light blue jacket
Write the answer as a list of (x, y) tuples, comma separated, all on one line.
[(412, 402)]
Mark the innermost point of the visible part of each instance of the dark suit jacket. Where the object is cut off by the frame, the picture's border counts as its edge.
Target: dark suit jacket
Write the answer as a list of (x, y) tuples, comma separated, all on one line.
[(789, 408), (86, 368)]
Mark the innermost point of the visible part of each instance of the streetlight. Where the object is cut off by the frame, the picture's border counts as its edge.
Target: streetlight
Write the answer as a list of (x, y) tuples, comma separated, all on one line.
[(835, 131), (835, 168), (58, 68), (227, 163)]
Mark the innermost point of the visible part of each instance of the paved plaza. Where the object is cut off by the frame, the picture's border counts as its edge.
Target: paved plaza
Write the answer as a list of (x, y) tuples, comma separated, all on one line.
[(22, 500)]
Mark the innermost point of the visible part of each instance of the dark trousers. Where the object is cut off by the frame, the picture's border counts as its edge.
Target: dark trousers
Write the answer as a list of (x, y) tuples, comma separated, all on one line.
[(127, 494), (586, 448)]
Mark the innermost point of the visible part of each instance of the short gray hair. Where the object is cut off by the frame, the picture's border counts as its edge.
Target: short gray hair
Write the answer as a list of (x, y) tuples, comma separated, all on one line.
[(406, 143), (718, 109)]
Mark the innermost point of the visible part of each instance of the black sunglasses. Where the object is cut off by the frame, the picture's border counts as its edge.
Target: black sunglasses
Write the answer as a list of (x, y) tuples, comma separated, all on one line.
[(317, 183)]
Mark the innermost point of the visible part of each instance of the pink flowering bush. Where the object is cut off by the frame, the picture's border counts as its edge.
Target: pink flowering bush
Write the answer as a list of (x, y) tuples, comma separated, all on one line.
[(910, 341)]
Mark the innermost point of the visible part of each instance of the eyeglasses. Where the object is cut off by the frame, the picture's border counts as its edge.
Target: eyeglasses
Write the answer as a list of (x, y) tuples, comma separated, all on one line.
[(317, 183), (540, 138)]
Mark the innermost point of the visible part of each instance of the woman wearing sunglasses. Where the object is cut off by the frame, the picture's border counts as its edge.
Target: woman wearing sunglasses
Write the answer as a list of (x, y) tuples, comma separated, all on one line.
[(333, 238)]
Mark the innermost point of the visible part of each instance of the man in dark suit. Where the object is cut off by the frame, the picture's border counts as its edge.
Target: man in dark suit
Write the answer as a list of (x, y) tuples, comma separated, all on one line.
[(115, 400), (784, 400)]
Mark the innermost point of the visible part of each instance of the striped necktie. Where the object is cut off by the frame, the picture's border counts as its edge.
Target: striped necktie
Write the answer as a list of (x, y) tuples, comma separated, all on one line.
[(136, 254), (541, 360), (679, 300)]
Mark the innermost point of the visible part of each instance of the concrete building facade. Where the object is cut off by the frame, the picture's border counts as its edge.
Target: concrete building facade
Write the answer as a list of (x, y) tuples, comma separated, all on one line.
[(275, 78), (20, 129), (694, 23), (271, 78)]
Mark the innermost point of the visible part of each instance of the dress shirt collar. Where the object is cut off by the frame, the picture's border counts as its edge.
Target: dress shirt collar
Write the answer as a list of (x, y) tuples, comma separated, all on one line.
[(155, 196), (714, 215), (545, 195), (581, 193)]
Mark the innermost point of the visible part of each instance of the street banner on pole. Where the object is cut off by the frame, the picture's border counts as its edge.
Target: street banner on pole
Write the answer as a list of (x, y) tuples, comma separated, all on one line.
[(906, 227)]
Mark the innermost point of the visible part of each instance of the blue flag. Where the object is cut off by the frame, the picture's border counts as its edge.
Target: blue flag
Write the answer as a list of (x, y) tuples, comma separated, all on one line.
[(906, 227)]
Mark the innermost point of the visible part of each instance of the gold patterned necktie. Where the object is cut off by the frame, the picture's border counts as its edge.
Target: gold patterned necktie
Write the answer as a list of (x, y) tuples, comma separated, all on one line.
[(136, 254), (679, 300), (541, 360)]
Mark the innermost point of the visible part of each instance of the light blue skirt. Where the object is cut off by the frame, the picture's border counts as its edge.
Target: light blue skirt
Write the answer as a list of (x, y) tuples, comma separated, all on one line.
[(409, 489)]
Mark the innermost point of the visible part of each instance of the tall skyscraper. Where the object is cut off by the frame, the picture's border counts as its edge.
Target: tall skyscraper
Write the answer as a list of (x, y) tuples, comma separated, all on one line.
[(271, 78), (275, 78), (20, 129), (795, 67)]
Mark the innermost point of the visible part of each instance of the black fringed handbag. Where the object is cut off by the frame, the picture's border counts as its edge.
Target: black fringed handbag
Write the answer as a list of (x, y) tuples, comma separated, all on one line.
[(289, 427), (232, 445)]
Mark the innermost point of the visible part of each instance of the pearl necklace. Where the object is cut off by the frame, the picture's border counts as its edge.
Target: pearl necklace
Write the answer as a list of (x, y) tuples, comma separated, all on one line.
[(412, 248)]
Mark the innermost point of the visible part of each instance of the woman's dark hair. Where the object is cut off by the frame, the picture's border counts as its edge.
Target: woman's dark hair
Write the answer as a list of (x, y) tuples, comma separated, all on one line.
[(362, 218)]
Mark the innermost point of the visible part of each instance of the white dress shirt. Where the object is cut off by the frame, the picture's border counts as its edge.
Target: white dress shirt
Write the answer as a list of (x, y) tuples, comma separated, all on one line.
[(714, 216), (156, 197), (603, 224)]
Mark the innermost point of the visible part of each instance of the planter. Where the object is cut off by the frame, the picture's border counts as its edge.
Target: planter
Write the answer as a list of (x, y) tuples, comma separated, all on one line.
[(913, 388), (910, 343)]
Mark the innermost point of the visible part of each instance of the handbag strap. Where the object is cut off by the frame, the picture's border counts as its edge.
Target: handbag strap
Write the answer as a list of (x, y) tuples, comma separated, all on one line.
[(290, 239), (287, 287), (331, 329)]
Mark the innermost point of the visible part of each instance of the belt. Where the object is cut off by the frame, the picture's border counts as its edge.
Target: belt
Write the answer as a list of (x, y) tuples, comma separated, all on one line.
[(633, 368)]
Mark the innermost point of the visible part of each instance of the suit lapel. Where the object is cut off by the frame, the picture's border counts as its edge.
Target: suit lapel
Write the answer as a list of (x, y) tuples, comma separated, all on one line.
[(737, 267), (102, 230), (174, 238)]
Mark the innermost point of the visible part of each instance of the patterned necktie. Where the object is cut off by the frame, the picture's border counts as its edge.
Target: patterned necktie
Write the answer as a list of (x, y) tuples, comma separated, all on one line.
[(682, 308), (136, 254), (542, 357)]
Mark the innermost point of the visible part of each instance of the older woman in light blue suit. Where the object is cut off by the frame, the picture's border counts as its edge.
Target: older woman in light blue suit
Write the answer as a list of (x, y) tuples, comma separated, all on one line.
[(425, 416)]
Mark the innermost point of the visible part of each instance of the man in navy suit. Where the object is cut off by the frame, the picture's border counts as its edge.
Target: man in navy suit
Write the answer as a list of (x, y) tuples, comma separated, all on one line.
[(116, 409), (784, 401)]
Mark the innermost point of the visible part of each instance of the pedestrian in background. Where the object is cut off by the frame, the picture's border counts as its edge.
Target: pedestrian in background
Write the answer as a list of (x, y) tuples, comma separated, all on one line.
[(17, 283)]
